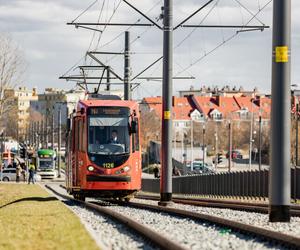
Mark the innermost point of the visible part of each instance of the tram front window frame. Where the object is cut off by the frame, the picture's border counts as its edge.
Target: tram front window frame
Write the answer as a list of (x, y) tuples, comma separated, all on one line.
[(102, 131)]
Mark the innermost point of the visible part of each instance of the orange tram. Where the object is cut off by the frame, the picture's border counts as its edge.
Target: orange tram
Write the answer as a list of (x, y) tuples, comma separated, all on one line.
[(103, 155)]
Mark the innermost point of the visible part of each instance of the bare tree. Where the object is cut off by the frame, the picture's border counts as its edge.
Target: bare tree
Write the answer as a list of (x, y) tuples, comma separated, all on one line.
[(12, 69), (151, 127)]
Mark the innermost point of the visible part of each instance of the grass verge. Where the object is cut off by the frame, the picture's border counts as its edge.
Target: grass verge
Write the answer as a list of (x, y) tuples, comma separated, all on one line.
[(31, 219)]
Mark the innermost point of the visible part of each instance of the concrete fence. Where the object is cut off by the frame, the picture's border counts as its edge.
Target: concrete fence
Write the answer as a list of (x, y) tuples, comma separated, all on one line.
[(243, 184)]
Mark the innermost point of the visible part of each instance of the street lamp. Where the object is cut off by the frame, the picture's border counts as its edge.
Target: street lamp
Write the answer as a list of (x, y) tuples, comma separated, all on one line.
[(197, 117), (251, 139)]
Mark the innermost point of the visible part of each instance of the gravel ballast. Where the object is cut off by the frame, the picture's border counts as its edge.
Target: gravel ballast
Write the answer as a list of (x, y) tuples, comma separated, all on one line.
[(192, 234), (189, 233), (254, 219), (107, 233)]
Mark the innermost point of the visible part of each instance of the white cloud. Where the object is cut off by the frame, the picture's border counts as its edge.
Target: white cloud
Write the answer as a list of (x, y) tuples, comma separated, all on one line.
[(51, 47)]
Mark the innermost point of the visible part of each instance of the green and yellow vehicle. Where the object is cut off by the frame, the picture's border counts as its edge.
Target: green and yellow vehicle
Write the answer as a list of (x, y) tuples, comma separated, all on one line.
[(45, 163)]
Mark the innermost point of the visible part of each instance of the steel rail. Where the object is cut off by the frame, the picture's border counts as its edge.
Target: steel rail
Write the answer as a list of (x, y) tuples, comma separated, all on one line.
[(224, 204), (154, 237), (273, 236)]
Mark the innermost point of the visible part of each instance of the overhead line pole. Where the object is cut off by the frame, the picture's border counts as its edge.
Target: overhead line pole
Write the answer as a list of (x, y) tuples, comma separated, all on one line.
[(259, 143), (52, 130), (166, 139), (230, 146), (108, 78), (280, 169), (59, 143), (127, 87)]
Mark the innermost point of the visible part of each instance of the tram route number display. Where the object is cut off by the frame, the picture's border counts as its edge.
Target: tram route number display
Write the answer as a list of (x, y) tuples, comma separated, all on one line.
[(108, 165)]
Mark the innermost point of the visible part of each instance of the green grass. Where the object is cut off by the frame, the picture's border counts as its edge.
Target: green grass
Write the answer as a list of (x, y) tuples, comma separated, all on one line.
[(31, 219)]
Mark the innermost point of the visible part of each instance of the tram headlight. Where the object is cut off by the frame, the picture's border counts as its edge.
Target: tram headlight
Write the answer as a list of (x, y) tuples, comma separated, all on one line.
[(123, 170), (90, 168), (126, 168)]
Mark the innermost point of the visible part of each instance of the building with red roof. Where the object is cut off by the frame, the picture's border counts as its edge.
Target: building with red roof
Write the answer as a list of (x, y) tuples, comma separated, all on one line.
[(212, 107)]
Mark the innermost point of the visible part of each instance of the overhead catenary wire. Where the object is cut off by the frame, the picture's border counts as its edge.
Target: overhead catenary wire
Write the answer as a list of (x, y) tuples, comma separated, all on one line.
[(225, 41), (94, 33), (100, 14), (244, 7), (137, 37), (220, 21), (194, 29), (90, 6), (127, 29)]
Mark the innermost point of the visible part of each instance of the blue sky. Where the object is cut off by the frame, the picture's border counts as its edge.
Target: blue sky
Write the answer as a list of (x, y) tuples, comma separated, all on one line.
[(51, 47)]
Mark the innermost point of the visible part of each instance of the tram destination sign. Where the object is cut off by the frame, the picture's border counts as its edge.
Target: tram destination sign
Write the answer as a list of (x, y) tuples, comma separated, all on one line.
[(119, 111)]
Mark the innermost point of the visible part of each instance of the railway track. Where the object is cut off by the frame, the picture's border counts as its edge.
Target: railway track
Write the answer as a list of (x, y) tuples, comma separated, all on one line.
[(246, 229), (156, 238), (226, 204)]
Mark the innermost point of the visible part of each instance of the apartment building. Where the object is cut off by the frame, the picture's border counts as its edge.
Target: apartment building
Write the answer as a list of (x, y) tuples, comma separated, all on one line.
[(19, 105)]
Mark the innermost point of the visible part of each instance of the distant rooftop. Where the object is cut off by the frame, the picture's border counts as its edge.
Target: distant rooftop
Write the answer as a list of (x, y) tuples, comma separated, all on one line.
[(217, 91)]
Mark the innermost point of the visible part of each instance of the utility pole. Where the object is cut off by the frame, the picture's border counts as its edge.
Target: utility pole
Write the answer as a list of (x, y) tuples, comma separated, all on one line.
[(32, 134), (230, 146), (216, 145), (192, 145), (166, 175), (297, 130), (296, 149), (259, 143), (185, 149), (127, 87), (36, 135), (251, 137), (29, 133), (280, 170), (59, 142), (52, 130), (175, 146), (108, 78), (46, 130), (42, 134), (203, 143)]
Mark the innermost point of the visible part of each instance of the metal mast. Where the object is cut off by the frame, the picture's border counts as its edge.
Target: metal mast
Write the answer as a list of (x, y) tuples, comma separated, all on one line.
[(166, 139), (280, 169)]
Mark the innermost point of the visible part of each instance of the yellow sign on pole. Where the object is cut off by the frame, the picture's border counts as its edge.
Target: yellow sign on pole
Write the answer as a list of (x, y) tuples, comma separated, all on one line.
[(281, 54), (167, 115)]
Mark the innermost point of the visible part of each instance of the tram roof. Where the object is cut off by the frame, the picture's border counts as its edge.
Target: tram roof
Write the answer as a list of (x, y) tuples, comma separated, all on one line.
[(108, 103)]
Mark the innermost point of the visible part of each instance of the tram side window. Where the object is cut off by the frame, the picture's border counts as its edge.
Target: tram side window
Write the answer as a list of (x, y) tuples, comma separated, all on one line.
[(76, 137), (81, 136), (136, 141), (84, 136)]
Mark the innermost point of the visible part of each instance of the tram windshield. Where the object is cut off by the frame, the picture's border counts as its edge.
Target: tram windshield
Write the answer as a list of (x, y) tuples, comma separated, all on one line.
[(108, 135), (46, 164)]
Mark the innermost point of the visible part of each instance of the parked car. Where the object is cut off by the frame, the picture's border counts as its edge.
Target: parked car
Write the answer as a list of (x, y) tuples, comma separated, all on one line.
[(235, 154), (9, 174), (199, 168)]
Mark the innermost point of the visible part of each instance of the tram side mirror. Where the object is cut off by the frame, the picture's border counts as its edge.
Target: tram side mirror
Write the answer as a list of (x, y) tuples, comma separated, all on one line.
[(68, 124), (82, 111), (133, 127)]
